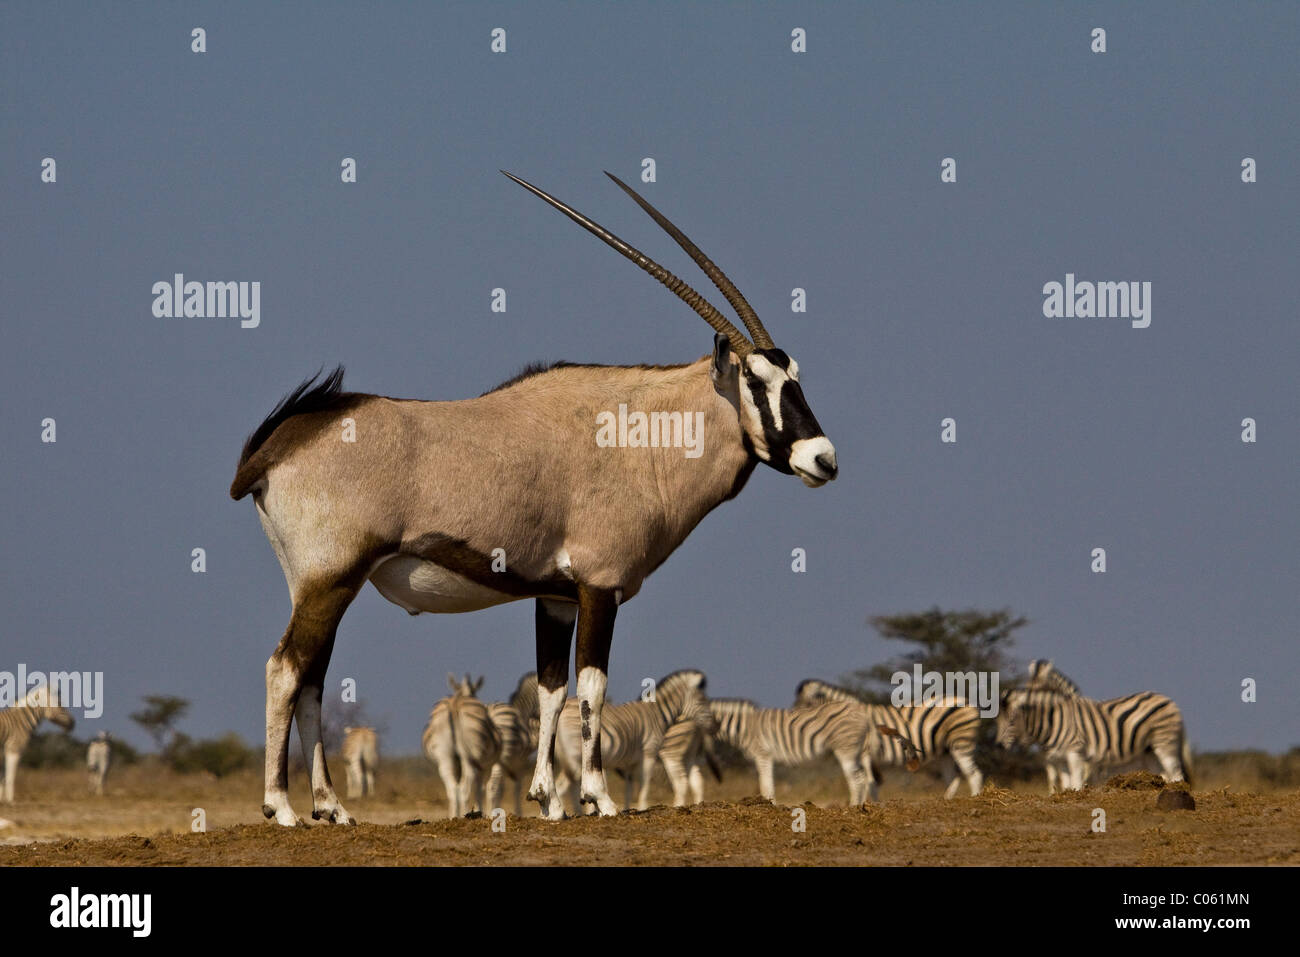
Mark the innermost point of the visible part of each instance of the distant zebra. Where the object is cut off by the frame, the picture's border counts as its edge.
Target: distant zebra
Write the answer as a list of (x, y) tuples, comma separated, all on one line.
[(771, 736), (685, 747), (17, 724), (463, 744), (516, 721), (361, 756), (946, 730), (631, 734), (98, 757), (1077, 734)]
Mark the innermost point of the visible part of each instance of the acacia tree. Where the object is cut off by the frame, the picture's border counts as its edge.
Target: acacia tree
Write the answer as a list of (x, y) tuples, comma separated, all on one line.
[(951, 641), (162, 711)]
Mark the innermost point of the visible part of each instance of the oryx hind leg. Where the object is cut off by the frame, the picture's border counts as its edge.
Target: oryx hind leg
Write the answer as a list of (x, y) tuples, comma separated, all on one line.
[(295, 675), (596, 610), (554, 620)]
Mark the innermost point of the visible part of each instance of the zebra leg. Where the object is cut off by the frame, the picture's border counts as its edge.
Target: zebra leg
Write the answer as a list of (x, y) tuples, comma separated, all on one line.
[(494, 788), (697, 784), (954, 777), (766, 786), (11, 769), (596, 610), (1052, 775), (676, 777), (1078, 770), (368, 787), (302, 655), (554, 621), (851, 765), (974, 776), (647, 772), (450, 783)]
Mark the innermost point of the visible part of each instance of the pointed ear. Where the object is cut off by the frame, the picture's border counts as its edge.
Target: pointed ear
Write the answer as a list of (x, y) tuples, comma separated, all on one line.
[(721, 356), (478, 684), (451, 680)]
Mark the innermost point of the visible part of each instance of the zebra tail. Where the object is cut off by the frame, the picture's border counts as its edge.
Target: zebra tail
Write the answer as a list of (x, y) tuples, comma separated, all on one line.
[(712, 760)]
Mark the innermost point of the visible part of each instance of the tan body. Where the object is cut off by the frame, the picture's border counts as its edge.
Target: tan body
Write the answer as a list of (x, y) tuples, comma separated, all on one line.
[(456, 506)]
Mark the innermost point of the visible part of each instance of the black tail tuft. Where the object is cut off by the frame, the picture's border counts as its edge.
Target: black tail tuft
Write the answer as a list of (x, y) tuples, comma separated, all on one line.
[(310, 396)]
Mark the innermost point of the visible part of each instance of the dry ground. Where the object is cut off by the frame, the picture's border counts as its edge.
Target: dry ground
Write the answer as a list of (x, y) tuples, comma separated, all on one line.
[(145, 819)]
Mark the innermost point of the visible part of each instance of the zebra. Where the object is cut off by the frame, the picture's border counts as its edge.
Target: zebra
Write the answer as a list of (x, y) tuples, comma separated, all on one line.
[(770, 736), (463, 744), (632, 734), (685, 747), (517, 723), (924, 733), (98, 756), (18, 723), (1077, 734), (361, 756)]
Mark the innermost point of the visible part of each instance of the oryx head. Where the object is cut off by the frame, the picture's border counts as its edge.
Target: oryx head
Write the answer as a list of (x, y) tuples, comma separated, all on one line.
[(758, 379)]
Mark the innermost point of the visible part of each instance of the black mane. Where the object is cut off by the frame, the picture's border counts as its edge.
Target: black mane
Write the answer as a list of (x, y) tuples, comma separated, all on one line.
[(310, 396)]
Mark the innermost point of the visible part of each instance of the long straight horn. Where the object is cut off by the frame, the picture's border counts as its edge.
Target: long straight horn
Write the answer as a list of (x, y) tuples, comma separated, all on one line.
[(725, 285), (678, 287)]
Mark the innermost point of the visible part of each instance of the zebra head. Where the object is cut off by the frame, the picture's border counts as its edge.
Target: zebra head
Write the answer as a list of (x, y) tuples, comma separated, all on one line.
[(681, 696), (810, 693), (464, 687), (45, 699), (1011, 718)]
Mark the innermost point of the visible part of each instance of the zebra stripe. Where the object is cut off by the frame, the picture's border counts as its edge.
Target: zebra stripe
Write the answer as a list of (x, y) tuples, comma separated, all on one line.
[(946, 731), (361, 757), (632, 734), (685, 748), (18, 723), (517, 724), (770, 736), (98, 757), (463, 744), (1078, 734)]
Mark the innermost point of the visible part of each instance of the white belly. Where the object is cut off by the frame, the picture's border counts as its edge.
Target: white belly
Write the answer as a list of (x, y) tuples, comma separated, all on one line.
[(418, 585)]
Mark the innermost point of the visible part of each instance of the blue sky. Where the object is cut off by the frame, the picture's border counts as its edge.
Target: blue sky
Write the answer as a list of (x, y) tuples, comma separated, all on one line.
[(817, 170)]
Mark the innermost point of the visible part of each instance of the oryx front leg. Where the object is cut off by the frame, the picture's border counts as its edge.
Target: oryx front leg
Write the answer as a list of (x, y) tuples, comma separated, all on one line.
[(301, 658), (554, 620), (596, 610)]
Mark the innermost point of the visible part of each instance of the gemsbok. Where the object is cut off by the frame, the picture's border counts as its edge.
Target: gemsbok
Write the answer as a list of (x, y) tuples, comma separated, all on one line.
[(459, 505)]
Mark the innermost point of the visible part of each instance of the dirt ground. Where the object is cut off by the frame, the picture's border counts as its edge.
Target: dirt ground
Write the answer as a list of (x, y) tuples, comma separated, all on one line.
[(145, 819)]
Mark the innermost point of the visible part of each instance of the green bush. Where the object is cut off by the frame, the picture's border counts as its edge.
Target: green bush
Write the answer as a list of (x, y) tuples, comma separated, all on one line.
[(219, 756)]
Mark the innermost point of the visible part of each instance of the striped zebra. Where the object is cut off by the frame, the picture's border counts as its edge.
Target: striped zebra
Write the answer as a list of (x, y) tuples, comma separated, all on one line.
[(361, 757), (792, 736), (516, 721), (631, 734), (946, 731), (463, 744), (98, 756), (1078, 734), (686, 746), (18, 723)]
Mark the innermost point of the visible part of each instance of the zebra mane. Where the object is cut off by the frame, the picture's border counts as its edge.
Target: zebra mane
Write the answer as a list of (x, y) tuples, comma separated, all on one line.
[(1043, 675), (826, 687)]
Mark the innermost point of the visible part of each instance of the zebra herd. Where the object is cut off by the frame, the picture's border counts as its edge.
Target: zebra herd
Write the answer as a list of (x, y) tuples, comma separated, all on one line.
[(476, 746), (470, 742)]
